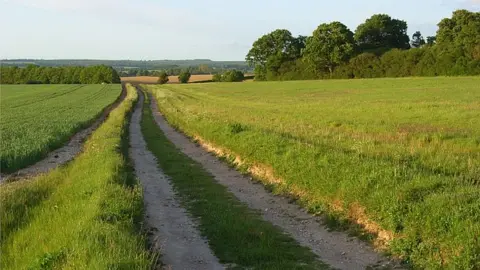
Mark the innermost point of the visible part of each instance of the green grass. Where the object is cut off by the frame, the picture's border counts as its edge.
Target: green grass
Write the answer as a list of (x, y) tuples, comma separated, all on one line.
[(238, 236), (405, 150), (85, 215), (35, 119)]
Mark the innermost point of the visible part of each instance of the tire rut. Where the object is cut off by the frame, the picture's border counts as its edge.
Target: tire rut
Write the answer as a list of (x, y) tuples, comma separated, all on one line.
[(173, 232), (334, 248)]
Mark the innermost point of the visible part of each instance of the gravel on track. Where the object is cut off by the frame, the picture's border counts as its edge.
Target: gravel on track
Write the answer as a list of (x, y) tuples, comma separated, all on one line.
[(173, 232)]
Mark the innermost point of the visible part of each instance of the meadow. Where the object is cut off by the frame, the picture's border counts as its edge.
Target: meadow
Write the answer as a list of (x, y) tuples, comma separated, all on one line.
[(400, 157), (85, 215), (39, 118)]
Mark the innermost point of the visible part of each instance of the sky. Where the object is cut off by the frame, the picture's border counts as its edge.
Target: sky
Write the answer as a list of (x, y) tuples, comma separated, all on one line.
[(188, 29)]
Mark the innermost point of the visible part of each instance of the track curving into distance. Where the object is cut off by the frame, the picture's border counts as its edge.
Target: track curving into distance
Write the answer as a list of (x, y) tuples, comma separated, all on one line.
[(174, 233)]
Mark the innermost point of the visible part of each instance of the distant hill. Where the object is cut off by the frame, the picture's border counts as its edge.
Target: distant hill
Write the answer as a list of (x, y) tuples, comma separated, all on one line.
[(129, 64)]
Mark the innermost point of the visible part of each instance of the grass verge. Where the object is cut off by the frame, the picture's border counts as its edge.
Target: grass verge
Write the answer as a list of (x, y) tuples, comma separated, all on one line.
[(85, 215), (237, 235)]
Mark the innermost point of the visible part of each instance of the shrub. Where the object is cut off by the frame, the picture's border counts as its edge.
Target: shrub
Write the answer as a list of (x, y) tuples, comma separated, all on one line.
[(162, 77), (184, 77), (229, 76), (217, 77)]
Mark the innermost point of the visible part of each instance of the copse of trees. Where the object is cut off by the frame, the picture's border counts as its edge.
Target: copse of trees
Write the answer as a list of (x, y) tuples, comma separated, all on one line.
[(271, 51), (229, 76), (184, 77), (162, 77), (380, 47), (59, 75)]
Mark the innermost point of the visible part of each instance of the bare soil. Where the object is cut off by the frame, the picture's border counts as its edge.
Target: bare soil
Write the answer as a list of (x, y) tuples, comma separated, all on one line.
[(334, 248), (173, 232), (66, 153)]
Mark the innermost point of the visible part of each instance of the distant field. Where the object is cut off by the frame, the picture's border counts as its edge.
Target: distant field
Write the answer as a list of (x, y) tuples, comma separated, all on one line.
[(172, 79), (38, 118), (399, 156)]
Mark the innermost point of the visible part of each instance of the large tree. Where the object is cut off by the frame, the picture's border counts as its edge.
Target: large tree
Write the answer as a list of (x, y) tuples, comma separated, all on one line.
[(461, 33), (269, 52), (381, 33), (330, 45)]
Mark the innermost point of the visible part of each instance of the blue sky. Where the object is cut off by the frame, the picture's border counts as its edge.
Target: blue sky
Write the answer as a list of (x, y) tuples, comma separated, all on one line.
[(214, 29)]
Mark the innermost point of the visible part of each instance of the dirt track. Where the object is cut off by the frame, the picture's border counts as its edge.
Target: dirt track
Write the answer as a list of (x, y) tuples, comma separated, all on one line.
[(67, 152), (174, 234), (334, 248)]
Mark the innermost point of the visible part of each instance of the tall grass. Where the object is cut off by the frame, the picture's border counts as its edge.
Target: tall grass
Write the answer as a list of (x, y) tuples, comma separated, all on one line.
[(401, 156), (35, 119), (86, 215)]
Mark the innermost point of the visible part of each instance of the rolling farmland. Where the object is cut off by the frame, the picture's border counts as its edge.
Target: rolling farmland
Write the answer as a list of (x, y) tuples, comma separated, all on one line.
[(394, 161), (401, 157), (353, 144), (85, 215), (39, 118)]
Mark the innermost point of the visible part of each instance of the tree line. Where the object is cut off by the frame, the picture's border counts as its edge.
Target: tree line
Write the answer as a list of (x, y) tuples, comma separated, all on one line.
[(379, 47), (126, 65), (175, 71), (33, 74)]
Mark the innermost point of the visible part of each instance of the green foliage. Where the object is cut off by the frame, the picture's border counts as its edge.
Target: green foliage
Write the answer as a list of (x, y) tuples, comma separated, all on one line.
[(381, 51), (39, 118), (162, 77), (460, 33), (229, 76), (407, 150), (59, 75), (417, 40), (366, 65), (184, 77), (270, 51), (331, 45), (62, 220), (381, 33), (431, 40)]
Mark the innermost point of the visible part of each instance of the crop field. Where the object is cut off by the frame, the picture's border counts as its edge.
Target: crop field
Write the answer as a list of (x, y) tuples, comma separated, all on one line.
[(401, 157), (36, 119), (85, 215)]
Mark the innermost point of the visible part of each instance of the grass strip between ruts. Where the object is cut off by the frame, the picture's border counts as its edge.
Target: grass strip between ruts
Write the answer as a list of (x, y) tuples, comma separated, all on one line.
[(237, 235)]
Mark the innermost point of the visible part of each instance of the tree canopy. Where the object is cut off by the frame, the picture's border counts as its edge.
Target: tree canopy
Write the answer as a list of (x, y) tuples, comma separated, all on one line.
[(33, 74), (162, 77), (417, 40), (380, 47), (270, 51), (229, 76), (380, 33), (330, 45), (184, 77)]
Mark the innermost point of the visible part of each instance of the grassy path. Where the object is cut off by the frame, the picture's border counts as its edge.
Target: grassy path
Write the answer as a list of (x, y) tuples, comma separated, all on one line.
[(238, 235), (172, 231)]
